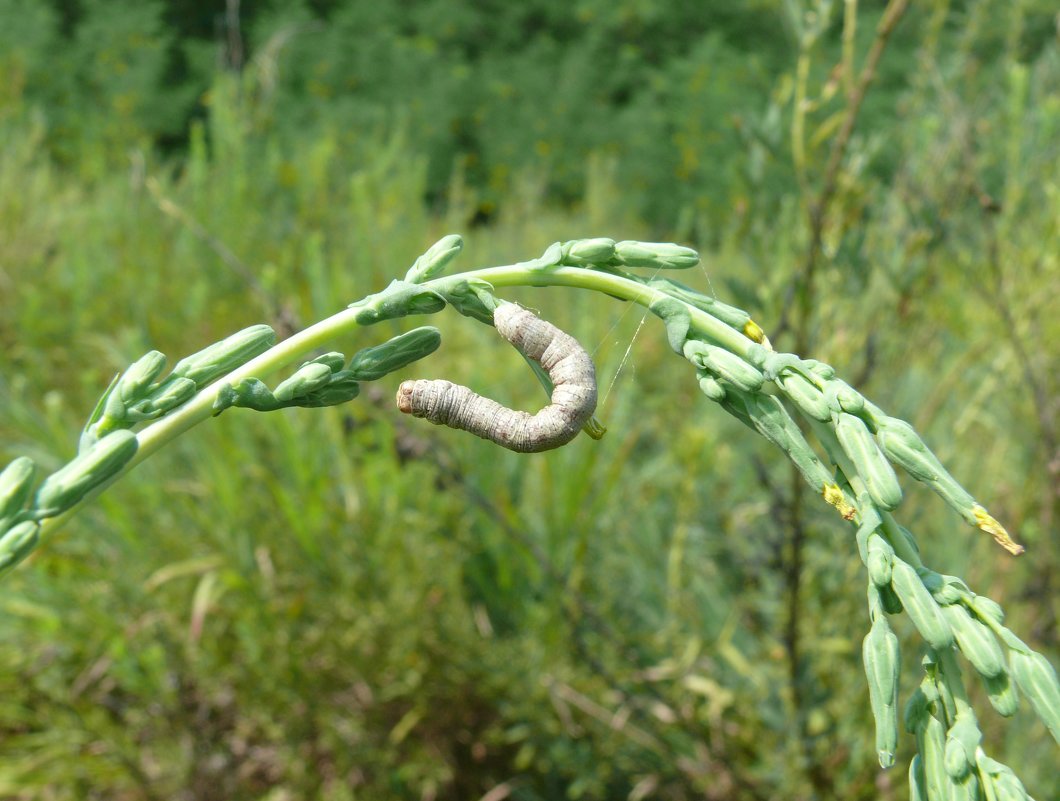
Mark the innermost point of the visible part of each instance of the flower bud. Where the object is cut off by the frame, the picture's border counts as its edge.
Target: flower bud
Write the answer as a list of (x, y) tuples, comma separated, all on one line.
[(134, 382), (225, 356), (375, 362), (435, 260), (723, 364), (17, 543), (88, 470), (661, 255), (16, 482), (1002, 693), (585, 252), (305, 380), (882, 666), (1037, 681)]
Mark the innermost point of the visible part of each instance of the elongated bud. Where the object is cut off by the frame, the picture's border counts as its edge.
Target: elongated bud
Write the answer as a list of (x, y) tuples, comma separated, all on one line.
[(661, 255), (1037, 681), (920, 606), (725, 365), (807, 398), (962, 741), (858, 443), (903, 446), (1008, 787), (710, 387), (341, 388), (772, 420), (375, 362), (306, 379), (435, 260), (882, 666), (16, 483), (222, 357), (976, 641), (1002, 693), (906, 449), (88, 470), (133, 384), (586, 252), (730, 315), (17, 543)]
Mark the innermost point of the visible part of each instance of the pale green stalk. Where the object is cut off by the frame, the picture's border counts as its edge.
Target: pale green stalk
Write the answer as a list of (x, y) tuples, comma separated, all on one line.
[(200, 408)]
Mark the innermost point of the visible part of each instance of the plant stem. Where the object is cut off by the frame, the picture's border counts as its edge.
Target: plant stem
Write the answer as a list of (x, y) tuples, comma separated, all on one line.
[(200, 408)]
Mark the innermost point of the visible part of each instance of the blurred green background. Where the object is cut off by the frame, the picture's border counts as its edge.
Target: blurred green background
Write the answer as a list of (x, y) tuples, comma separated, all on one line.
[(343, 604)]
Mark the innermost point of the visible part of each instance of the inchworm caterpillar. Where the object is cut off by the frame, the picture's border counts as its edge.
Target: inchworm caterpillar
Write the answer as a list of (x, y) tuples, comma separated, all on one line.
[(573, 395)]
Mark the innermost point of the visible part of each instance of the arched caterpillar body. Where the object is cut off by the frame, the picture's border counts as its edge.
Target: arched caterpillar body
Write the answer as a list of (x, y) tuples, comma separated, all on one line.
[(563, 359)]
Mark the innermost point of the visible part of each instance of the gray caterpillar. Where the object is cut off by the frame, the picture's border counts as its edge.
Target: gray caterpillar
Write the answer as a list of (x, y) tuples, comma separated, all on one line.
[(573, 395)]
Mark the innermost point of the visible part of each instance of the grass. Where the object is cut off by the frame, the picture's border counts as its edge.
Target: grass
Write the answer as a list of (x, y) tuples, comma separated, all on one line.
[(367, 609)]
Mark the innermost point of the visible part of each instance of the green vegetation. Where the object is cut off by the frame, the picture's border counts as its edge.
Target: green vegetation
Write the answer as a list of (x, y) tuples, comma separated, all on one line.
[(336, 603)]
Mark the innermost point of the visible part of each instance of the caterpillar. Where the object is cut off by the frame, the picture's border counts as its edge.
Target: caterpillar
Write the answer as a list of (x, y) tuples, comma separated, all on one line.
[(565, 361)]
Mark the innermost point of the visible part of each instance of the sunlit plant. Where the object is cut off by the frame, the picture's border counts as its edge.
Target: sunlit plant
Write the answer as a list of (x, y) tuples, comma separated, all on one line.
[(787, 399)]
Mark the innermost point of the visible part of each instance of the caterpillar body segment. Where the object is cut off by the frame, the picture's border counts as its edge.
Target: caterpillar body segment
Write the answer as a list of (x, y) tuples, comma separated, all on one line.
[(569, 368)]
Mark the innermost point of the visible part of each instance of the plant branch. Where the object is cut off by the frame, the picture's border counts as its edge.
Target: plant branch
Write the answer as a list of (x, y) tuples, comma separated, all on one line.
[(800, 291)]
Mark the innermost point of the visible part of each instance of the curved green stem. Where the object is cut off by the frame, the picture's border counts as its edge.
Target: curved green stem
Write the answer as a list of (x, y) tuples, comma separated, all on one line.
[(702, 323), (200, 408)]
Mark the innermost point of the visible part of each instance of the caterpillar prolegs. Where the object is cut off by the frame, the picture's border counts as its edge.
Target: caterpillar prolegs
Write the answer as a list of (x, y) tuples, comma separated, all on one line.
[(564, 360)]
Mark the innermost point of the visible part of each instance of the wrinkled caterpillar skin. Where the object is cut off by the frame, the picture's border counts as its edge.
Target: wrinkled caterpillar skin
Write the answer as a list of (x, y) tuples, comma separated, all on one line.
[(573, 396)]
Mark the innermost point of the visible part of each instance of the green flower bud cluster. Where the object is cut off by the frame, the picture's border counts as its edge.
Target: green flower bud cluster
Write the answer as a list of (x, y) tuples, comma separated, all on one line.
[(472, 298), (89, 469), (399, 299), (136, 397), (725, 366), (588, 252), (873, 440), (435, 260), (603, 252), (729, 381), (863, 443), (223, 357), (903, 446), (319, 382), (951, 763), (21, 510), (375, 362), (327, 380)]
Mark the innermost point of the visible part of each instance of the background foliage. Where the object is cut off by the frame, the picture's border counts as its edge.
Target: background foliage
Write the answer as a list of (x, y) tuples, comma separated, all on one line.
[(339, 604)]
